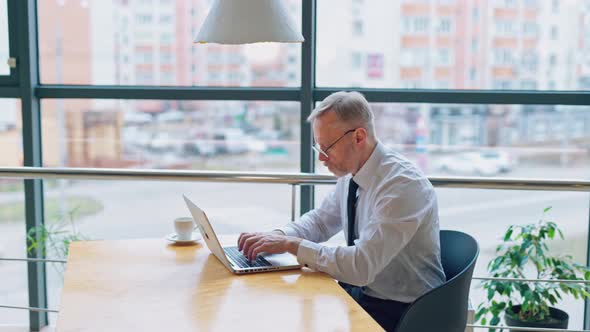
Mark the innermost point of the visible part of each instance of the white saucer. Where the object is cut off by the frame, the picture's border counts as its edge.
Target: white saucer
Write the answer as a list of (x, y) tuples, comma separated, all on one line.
[(195, 237)]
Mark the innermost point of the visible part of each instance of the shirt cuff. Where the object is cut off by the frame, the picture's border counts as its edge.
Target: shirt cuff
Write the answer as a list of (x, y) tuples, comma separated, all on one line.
[(307, 254), (289, 231), (280, 230)]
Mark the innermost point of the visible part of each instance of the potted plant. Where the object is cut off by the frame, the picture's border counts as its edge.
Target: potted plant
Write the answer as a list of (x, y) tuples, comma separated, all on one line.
[(524, 254)]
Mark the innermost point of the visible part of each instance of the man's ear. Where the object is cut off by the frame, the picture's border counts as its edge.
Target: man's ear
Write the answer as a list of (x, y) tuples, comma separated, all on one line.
[(360, 135)]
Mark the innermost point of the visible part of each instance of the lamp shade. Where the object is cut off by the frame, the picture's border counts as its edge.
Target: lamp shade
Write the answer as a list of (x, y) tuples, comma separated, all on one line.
[(248, 21)]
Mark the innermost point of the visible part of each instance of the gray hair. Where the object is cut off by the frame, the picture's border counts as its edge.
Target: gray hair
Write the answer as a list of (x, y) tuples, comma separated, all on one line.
[(350, 108)]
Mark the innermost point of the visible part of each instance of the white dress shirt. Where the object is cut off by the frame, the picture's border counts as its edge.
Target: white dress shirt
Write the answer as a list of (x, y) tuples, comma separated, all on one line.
[(397, 253)]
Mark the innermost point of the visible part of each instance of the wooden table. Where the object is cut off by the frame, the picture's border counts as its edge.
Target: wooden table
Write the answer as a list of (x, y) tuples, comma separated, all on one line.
[(150, 285)]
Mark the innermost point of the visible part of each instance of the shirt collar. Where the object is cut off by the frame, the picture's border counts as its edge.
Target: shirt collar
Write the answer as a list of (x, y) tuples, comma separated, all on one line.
[(367, 172)]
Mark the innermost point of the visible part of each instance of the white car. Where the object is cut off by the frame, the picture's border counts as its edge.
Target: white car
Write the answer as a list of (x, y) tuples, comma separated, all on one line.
[(136, 118), (505, 161), (230, 140), (199, 147), (165, 141), (171, 116), (485, 163)]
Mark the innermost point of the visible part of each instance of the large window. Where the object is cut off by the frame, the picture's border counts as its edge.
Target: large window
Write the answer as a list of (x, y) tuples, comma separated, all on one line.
[(409, 44), (129, 43), (452, 45)]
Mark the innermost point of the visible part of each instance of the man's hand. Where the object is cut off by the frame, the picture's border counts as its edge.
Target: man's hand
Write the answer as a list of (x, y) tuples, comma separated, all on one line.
[(252, 244)]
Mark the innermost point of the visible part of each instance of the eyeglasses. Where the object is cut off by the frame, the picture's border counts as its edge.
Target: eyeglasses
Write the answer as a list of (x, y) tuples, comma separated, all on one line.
[(319, 150)]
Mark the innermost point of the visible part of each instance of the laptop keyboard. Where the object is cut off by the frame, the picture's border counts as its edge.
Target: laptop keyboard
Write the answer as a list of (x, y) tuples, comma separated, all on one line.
[(237, 257)]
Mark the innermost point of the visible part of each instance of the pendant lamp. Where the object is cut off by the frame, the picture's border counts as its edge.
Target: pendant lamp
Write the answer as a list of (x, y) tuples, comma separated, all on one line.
[(248, 21)]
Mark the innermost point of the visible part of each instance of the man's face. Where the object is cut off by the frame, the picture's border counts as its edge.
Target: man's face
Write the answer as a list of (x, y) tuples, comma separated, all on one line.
[(335, 139)]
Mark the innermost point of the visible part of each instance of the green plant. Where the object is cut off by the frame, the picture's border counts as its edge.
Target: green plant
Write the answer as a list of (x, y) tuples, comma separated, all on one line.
[(53, 239), (524, 250)]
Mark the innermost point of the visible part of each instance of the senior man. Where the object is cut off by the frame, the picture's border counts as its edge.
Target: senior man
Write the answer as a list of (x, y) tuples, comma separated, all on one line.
[(383, 202)]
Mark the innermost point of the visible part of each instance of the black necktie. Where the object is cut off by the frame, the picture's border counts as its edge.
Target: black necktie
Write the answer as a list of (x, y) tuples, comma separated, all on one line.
[(351, 210)]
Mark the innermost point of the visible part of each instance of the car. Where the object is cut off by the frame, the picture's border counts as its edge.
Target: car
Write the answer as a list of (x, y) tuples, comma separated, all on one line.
[(133, 136), (482, 163), (166, 142), (231, 141), (504, 160), (254, 144), (199, 148), (136, 118), (171, 116)]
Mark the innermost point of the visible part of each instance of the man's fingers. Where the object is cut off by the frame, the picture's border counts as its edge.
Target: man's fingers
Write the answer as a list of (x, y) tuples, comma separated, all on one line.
[(242, 239), (258, 250), (252, 244), (254, 247), (248, 242)]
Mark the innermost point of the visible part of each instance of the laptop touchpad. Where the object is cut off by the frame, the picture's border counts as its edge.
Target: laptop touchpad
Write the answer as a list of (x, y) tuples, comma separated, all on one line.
[(281, 259)]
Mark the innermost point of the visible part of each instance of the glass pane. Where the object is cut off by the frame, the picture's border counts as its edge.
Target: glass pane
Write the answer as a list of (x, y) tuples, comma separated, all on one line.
[(204, 135), (140, 42), (14, 283), (4, 50), (12, 220), (523, 141), (454, 44), (10, 133)]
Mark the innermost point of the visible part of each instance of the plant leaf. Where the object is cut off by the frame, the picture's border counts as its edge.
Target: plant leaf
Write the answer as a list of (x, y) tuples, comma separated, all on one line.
[(495, 320), (508, 234)]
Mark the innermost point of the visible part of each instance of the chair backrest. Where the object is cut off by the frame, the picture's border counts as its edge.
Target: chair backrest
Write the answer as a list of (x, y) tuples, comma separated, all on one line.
[(444, 308)]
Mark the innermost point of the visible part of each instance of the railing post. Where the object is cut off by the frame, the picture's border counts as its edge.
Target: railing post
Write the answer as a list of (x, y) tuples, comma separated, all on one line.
[(586, 302), (293, 200)]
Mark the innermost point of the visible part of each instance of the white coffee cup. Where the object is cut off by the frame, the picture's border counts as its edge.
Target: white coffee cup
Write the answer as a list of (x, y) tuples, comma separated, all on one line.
[(184, 227)]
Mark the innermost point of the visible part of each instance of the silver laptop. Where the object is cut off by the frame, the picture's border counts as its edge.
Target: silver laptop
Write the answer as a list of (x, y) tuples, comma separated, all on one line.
[(231, 257)]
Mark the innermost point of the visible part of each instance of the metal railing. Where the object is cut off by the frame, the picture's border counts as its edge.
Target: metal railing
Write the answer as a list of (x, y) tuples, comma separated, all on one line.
[(28, 308), (287, 178), (561, 281), (515, 328), (293, 179), (34, 260)]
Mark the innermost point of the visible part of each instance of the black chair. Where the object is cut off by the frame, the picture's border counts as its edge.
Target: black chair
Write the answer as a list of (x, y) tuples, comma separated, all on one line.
[(444, 309)]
